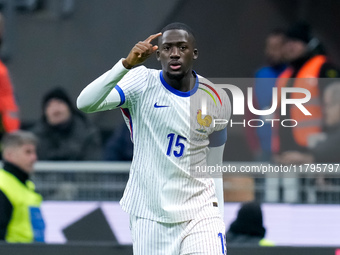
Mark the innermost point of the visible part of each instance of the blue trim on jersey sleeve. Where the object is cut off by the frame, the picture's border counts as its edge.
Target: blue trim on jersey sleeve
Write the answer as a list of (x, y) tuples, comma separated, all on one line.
[(218, 138), (122, 95), (177, 92)]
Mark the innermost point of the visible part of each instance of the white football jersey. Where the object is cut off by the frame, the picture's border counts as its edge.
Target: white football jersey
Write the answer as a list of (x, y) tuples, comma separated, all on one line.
[(171, 132)]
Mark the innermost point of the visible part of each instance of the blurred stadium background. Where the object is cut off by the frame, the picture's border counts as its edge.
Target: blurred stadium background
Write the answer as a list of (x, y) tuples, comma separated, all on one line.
[(70, 42)]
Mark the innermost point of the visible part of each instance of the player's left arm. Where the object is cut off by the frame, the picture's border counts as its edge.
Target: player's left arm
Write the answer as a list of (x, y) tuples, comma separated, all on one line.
[(217, 142), (215, 158)]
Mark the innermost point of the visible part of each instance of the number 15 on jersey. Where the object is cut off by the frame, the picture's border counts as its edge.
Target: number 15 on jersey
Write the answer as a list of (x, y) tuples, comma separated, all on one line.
[(175, 146)]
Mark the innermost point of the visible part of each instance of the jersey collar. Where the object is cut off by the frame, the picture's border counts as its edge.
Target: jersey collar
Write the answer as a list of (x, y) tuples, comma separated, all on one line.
[(177, 92)]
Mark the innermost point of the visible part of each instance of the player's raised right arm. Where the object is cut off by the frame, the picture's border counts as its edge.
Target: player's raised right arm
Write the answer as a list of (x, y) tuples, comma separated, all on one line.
[(101, 95)]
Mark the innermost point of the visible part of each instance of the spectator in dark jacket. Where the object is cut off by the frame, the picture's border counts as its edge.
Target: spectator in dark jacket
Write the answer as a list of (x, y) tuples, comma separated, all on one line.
[(63, 132)]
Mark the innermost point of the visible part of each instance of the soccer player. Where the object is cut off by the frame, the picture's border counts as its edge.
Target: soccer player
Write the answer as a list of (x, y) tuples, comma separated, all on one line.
[(171, 114)]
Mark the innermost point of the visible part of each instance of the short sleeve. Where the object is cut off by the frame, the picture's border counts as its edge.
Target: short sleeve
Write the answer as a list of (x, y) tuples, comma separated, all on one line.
[(132, 86)]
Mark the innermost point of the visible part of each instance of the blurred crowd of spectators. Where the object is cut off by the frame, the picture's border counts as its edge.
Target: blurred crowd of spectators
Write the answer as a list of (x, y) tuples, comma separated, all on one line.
[(66, 134), (293, 58), (297, 59)]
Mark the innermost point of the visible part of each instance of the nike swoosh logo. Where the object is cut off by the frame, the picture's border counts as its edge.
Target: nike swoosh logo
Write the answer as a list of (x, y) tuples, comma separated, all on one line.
[(160, 106)]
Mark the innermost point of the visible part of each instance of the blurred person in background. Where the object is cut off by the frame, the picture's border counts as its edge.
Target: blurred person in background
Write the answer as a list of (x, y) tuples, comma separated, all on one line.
[(247, 228), (259, 138), (64, 133), (307, 59), (20, 216), (9, 117), (326, 146)]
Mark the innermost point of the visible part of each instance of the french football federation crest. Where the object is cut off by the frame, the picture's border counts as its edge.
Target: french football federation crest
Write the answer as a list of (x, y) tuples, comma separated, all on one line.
[(203, 122)]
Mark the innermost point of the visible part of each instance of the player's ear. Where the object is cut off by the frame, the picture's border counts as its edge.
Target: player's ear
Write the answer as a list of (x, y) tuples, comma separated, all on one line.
[(158, 55), (195, 54)]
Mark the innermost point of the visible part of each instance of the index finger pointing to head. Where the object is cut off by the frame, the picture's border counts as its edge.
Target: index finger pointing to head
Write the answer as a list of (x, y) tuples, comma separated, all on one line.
[(152, 37)]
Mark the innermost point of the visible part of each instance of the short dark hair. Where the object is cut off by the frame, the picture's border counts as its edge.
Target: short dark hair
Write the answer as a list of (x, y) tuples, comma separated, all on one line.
[(180, 26)]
